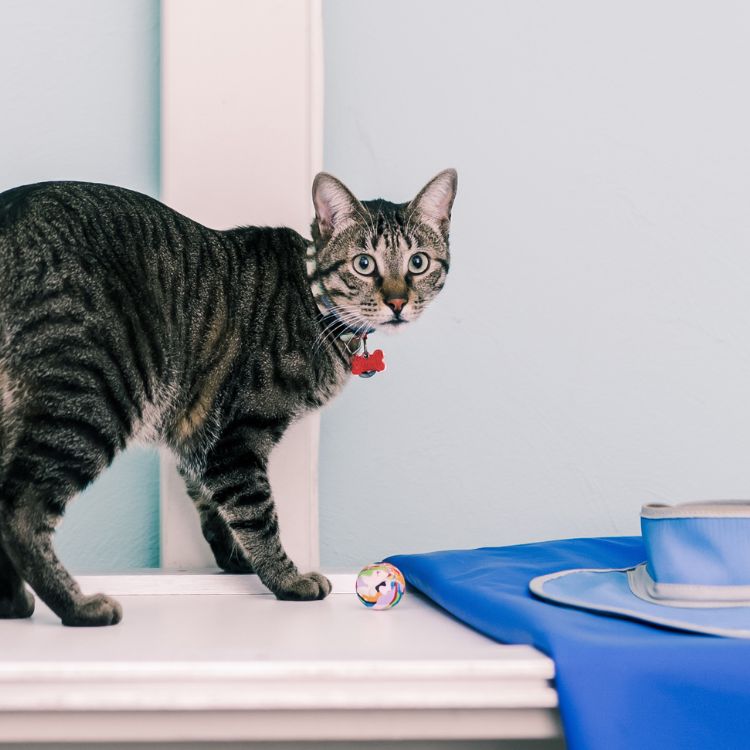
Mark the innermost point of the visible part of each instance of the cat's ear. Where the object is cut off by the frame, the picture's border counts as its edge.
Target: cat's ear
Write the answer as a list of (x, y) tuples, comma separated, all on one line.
[(434, 201), (335, 206)]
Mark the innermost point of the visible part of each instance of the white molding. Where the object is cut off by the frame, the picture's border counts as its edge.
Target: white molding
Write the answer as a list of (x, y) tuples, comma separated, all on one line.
[(525, 673), (299, 725), (277, 670), (205, 690), (242, 114)]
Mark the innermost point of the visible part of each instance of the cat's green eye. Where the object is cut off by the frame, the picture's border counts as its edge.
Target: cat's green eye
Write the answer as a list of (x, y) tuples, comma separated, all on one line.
[(364, 264), (419, 263)]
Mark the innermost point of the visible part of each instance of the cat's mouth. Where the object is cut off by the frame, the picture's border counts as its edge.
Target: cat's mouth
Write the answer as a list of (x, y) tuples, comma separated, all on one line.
[(393, 324)]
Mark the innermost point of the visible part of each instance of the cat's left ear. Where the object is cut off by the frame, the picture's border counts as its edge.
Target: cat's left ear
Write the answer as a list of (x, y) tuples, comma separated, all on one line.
[(434, 201), (335, 206)]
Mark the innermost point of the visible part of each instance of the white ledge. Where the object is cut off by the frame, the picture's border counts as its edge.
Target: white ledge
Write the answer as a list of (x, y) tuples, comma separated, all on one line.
[(193, 648)]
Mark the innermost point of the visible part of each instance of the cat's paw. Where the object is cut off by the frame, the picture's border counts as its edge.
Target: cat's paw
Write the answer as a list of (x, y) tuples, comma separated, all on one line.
[(304, 588), (18, 606), (93, 611)]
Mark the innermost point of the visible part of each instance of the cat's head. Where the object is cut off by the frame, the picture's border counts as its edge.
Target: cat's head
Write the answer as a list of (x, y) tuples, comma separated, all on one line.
[(381, 263)]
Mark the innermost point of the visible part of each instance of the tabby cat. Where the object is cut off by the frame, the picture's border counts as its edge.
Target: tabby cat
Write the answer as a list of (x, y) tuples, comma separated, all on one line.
[(121, 320)]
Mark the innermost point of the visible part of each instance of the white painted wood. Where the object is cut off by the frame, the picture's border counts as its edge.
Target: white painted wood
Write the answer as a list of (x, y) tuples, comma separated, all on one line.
[(527, 744), (210, 666), (147, 582), (302, 726), (241, 143)]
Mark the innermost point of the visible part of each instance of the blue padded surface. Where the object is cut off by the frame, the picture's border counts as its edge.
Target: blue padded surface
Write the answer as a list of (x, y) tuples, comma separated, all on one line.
[(623, 685)]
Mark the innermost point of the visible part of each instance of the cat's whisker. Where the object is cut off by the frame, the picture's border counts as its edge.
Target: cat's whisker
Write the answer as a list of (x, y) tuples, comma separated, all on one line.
[(348, 309), (324, 333), (330, 325), (348, 319), (323, 339), (363, 329), (331, 335), (331, 329), (346, 312)]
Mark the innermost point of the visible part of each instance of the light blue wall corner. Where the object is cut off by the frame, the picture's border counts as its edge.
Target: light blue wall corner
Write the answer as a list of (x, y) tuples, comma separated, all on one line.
[(114, 524), (79, 82)]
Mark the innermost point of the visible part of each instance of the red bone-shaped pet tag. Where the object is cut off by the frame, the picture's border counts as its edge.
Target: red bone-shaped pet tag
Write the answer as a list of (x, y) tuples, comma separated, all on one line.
[(367, 364)]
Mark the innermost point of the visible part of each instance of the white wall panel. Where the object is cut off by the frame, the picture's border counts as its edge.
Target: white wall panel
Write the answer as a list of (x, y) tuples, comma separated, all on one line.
[(241, 143)]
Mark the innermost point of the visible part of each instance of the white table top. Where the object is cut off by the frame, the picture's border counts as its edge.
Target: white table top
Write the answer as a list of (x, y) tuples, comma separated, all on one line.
[(215, 657)]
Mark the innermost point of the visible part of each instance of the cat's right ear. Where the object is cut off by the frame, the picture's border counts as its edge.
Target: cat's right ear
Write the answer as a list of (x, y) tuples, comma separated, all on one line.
[(335, 206)]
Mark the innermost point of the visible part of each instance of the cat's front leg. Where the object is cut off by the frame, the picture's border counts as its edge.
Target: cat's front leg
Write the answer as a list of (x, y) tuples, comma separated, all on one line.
[(237, 494)]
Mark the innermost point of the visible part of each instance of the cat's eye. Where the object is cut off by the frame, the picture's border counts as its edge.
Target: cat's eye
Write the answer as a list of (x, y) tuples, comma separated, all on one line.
[(364, 264), (419, 263)]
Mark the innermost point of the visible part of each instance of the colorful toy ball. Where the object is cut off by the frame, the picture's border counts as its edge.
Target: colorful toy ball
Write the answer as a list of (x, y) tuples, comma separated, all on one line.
[(380, 586)]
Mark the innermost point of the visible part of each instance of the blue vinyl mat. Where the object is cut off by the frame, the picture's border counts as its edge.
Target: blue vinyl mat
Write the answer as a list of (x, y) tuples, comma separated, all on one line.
[(622, 684)]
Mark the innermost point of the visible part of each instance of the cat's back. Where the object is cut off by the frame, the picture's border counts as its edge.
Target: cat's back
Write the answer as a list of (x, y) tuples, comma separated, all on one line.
[(56, 209), (53, 231), (88, 260)]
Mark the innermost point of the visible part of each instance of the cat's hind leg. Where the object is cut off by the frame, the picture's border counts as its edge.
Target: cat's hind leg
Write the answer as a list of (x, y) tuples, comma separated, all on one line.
[(27, 530), (16, 600), (55, 454), (227, 553)]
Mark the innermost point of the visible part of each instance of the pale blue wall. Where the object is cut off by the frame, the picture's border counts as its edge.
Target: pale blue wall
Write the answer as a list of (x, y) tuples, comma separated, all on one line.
[(591, 350), (593, 336), (79, 93)]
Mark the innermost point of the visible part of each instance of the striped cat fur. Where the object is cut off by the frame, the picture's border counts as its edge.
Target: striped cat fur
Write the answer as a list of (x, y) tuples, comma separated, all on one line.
[(122, 320)]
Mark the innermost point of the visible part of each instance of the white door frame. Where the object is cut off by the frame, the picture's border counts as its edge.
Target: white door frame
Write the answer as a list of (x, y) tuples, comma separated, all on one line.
[(241, 140)]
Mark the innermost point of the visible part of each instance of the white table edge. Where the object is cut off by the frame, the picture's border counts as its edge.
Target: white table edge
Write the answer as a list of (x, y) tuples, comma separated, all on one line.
[(68, 700)]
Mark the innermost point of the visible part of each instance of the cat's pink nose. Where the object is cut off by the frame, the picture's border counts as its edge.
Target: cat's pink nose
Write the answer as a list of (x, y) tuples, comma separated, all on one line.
[(396, 304)]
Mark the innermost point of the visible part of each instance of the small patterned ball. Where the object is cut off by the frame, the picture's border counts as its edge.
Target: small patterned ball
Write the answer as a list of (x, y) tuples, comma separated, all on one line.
[(380, 586)]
